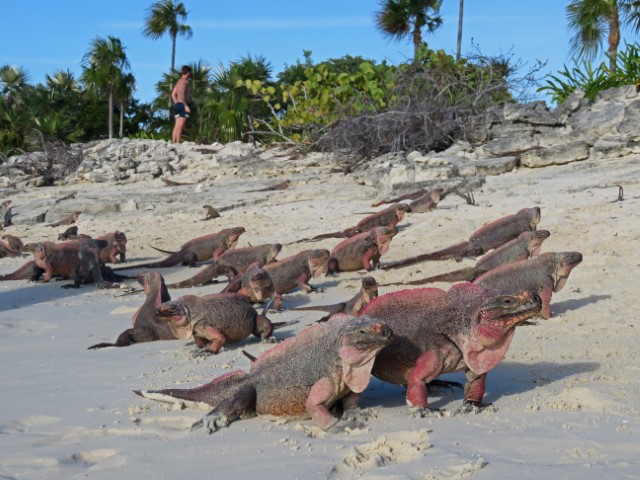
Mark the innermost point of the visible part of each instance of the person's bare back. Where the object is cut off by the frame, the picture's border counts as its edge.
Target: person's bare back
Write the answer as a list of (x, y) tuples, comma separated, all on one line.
[(181, 96)]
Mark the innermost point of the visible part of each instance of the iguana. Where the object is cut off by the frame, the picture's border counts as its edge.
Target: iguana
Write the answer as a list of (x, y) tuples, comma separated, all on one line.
[(255, 284), (389, 217), (296, 270), (210, 213), (115, 250), (525, 246), (363, 250), (544, 274), (278, 186), (467, 328), (306, 375), (88, 268), (215, 320), (354, 306), (198, 249), (486, 238), (426, 202), (10, 246), (146, 326), (232, 263), (68, 220)]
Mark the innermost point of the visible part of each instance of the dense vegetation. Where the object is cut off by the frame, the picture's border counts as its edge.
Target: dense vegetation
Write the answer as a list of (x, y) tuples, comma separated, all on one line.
[(347, 103)]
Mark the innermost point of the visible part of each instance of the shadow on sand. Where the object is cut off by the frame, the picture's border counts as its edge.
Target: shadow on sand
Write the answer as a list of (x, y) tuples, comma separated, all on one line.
[(575, 303), (507, 379)]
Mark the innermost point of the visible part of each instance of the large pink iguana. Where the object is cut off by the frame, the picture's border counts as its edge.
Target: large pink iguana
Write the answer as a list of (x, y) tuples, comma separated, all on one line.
[(467, 328), (306, 375)]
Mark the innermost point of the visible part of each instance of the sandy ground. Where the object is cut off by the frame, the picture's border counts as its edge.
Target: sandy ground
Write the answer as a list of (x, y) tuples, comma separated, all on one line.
[(566, 400)]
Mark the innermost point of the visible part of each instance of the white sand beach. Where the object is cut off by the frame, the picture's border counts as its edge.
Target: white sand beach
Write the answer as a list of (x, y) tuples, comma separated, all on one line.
[(566, 399)]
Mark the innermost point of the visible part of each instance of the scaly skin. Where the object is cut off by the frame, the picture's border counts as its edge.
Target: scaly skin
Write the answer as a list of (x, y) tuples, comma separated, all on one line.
[(278, 186), (69, 220), (544, 274), (482, 240), (525, 246), (303, 376), (426, 202), (88, 268), (407, 196), (255, 284), (234, 261), (11, 246), (354, 306), (28, 271), (214, 320), (467, 328), (146, 326), (198, 249), (296, 270), (389, 217), (361, 251), (116, 249), (55, 258)]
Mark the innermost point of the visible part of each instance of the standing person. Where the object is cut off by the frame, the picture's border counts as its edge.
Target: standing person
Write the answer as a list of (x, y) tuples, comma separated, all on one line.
[(181, 96)]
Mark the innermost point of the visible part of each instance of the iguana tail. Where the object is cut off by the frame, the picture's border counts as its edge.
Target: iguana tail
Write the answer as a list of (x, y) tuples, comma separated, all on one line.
[(277, 325), (464, 274), (162, 251), (210, 393), (457, 251), (25, 272)]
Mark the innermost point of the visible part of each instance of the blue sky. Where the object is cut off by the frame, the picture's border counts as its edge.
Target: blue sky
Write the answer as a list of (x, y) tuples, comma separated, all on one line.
[(43, 36)]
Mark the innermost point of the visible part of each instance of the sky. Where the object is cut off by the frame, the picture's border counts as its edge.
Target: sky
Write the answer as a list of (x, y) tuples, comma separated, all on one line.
[(43, 36)]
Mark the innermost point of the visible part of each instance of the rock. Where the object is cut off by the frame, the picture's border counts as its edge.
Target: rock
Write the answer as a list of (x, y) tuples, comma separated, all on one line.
[(128, 206), (534, 113), (555, 155), (507, 146), (496, 166)]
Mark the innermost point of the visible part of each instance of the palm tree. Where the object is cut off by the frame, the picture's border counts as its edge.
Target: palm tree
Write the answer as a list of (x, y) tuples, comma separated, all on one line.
[(123, 92), (397, 19), (13, 82), (459, 46), (104, 66), (593, 19), (61, 83), (163, 17)]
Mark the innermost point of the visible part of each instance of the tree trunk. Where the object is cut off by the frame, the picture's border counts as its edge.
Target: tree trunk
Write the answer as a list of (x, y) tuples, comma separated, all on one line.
[(614, 38), (459, 31), (110, 112), (417, 40), (121, 119), (173, 67)]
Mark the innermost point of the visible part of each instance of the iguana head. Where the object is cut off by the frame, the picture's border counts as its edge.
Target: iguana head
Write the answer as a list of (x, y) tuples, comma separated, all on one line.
[(360, 341), (564, 263), (233, 236), (535, 239), (260, 283), (383, 236), (533, 214), (490, 319), (177, 313), (401, 210), (318, 261), (38, 249), (273, 252), (370, 286)]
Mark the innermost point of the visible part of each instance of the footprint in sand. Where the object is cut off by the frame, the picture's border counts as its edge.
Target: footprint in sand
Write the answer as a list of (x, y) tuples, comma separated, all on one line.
[(401, 447)]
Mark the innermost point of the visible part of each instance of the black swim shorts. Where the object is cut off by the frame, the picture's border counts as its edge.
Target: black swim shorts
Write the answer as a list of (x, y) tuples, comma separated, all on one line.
[(180, 110)]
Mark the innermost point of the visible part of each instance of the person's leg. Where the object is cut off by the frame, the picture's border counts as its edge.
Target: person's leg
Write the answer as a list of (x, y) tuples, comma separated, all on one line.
[(177, 129)]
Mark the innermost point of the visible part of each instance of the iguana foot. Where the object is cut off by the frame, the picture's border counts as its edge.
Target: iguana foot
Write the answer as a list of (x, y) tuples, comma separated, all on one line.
[(469, 406), (212, 422), (421, 412)]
